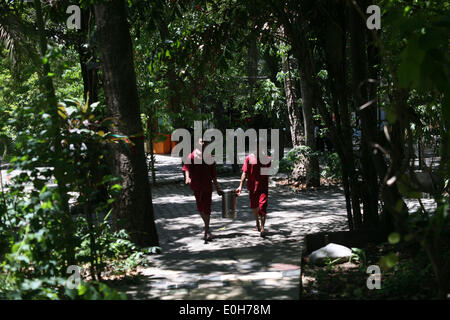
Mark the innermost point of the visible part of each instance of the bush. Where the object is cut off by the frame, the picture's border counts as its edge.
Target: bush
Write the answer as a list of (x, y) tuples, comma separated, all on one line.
[(294, 155), (332, 166), (40, 235), (330, 162)]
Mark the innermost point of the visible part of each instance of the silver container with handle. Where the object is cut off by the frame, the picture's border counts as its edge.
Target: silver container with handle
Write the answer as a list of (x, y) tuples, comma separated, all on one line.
[(229, 204)]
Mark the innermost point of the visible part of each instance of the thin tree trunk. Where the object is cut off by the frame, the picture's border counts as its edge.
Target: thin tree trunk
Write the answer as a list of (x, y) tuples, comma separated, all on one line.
[(444, 128), (369, 189), (252, 74), (252, 65), (334, 45), (151, 136), (87, 58), (133, 209)]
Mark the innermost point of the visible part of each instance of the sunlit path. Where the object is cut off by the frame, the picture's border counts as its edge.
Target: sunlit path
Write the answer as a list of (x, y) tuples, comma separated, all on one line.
[(238, 264)]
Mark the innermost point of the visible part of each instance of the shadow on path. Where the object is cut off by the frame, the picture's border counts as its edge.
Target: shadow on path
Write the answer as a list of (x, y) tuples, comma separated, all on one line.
[(238, 263)]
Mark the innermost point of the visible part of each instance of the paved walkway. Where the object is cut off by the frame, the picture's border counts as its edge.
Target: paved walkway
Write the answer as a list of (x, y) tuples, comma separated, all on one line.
[(238, 263), (167, 169)]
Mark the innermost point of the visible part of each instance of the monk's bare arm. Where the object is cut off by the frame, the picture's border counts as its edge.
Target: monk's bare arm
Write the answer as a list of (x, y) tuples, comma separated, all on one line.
[(243, 177), (188, 178), (218, 189)]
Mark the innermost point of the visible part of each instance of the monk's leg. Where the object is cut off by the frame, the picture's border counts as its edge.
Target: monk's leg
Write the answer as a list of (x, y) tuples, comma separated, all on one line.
[(263, 221), (255, 214), (254, 207), (262, 209), (200, 202), (206, 212)]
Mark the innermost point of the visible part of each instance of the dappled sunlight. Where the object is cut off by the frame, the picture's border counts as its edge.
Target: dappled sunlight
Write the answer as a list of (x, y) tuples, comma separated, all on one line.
[(237, 263), (343, 105)]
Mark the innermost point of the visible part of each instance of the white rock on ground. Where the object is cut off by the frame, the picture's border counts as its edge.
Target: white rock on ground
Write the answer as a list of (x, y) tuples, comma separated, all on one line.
[(332, 251)]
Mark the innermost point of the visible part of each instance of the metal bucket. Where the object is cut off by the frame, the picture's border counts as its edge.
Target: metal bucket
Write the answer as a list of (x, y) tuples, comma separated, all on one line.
[(229, 204)]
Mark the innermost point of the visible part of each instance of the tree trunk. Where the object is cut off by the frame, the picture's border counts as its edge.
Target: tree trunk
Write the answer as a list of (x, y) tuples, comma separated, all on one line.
[(252, 64), (444, 151), (133, 209), (334, 45), (150, 137), (394, 205), (87, 58), (369, 189), (308, 80), (312, 163), (296, 127)]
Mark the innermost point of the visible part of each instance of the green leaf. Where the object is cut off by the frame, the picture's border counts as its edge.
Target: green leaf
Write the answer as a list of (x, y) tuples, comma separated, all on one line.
[(394, 238), (82, 289), (399, 206), (116, 187), (31, 284), (388, 261), (391, 116), (46, 205), (409, 71)]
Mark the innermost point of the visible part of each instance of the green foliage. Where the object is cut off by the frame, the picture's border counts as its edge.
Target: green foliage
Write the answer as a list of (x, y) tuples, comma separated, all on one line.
[(294, 155), (193, 62), (94, 291), (332, 165), (359, 256), (394, 238), (40, 239), (408, 278)]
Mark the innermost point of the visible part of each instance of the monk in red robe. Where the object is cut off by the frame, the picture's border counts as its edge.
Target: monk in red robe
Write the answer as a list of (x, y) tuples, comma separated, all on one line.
[(258, 187), (200, 178)]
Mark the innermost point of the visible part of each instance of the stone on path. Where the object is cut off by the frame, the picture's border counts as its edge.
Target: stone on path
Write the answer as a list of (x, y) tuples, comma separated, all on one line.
[(331, 251)]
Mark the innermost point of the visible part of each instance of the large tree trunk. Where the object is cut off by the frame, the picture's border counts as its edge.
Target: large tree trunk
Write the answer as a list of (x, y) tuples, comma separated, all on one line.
[(308, 80), (295, 123), (312, 163), (134, 207)]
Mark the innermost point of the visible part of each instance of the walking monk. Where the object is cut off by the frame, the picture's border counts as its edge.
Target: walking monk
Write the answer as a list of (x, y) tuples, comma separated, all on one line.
[(258, 187), (200, 178)]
